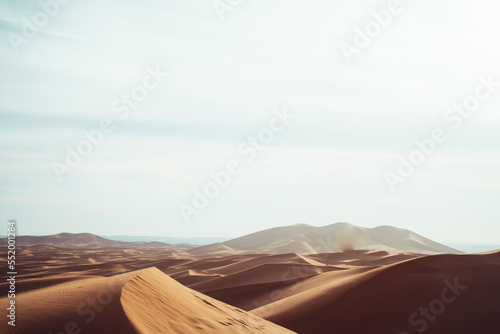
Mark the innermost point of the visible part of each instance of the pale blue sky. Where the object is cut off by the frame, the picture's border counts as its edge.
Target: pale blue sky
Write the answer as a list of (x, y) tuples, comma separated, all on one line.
[(352, 120)]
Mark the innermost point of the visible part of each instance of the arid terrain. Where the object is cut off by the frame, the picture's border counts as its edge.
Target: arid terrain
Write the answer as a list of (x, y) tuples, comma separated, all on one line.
[(95, 285)]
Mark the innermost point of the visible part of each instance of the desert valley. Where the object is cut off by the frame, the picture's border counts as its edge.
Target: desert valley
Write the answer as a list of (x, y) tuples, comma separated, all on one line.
[(338, 278), (241, 167)]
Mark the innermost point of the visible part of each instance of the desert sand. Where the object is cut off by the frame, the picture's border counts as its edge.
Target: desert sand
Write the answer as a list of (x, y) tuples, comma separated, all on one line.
[(108, 288)]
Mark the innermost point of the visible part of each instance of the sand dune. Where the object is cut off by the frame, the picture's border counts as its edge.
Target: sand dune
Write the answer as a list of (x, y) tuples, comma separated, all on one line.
[(155, 303), (358, 291), (383, 299), (145, 301), (134, 289), (91, 305), (264, 279)]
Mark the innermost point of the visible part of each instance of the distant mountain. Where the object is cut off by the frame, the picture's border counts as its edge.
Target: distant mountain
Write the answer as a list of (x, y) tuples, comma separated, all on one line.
[(87, 240), (299, 239), (308, 239), (199, 241), (64, 240)]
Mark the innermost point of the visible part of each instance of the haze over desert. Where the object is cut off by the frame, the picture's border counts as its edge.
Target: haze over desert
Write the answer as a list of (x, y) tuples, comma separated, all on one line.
[(246, 166)]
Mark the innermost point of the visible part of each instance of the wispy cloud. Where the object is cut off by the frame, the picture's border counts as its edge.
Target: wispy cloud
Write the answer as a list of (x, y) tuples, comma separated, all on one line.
[(352, 121)]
